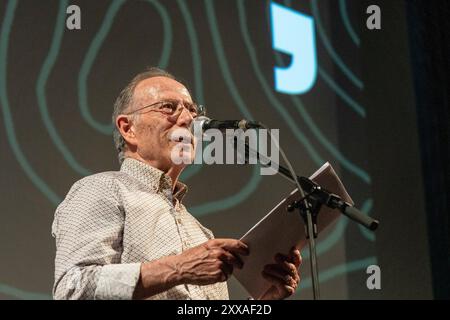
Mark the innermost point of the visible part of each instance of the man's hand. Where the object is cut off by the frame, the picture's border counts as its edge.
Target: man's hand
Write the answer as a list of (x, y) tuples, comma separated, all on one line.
[(283, 275), (210, 262)]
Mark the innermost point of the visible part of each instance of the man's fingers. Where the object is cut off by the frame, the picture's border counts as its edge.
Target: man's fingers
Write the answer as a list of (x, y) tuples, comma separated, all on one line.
[(288, 268), (286, 290), (296, 257), (232, 245), (278, 272), (236, 246), (279, 257), (230, 258)]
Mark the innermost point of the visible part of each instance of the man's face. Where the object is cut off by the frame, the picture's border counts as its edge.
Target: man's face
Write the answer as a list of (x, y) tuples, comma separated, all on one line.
[(157, 134)]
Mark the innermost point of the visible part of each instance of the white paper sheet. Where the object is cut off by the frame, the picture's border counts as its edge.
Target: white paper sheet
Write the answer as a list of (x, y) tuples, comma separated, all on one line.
[(280, 230)]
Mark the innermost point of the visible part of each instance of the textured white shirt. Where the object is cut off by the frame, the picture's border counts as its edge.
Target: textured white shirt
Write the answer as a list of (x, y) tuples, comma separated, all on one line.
[(111, 222)]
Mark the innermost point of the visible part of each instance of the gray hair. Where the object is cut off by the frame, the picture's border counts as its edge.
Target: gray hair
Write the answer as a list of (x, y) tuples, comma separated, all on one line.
[(125, 100)]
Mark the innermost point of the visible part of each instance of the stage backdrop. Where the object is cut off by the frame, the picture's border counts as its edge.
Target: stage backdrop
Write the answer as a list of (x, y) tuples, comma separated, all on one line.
[(57, 88)]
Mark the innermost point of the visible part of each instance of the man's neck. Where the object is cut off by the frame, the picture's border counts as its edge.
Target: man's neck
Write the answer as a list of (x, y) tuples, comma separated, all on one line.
[(172, 172)]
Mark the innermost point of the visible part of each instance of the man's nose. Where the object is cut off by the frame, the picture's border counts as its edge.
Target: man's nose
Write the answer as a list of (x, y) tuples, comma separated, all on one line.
[(184, 118)]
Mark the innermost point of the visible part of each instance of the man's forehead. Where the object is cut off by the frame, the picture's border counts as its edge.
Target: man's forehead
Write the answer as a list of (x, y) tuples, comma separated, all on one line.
[(157, 87)]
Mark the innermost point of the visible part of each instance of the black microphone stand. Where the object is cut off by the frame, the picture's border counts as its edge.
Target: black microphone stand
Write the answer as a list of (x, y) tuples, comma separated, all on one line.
[(312, 198)]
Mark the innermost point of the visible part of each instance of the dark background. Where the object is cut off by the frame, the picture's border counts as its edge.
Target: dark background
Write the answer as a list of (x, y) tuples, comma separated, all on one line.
[(57, 88)]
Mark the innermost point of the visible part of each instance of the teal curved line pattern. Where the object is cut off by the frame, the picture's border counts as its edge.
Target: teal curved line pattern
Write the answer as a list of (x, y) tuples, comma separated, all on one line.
[(192, 170), (231, 201), (195, 49), (347, 164), (22, 294), (325, 244), (299, 106), (7, 116), (342, 66), (87, 65), (300, 136), (309, 121), (355, 106), (329, 81), (95, 47), (223, 61), (348, 26), (336, 271), (213, 207), (41, 94)]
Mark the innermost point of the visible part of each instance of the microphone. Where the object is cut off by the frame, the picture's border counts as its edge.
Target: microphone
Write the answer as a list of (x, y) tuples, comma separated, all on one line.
[(205, 123)]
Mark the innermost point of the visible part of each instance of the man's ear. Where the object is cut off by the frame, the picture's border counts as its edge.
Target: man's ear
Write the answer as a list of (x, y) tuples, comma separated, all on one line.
[(126, 128)]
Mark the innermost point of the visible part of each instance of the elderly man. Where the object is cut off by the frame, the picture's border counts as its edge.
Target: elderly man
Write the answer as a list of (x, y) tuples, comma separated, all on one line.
[(127, 235)]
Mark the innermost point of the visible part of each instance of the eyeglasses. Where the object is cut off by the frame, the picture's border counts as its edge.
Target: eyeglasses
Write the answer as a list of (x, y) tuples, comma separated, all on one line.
[(170, 107)]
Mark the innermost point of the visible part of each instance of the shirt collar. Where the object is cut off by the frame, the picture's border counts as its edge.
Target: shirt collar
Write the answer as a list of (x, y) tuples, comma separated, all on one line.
[(154, 178)]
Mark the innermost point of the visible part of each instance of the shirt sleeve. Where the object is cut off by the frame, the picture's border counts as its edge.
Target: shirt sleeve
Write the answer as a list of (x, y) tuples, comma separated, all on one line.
[(88, 228)]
